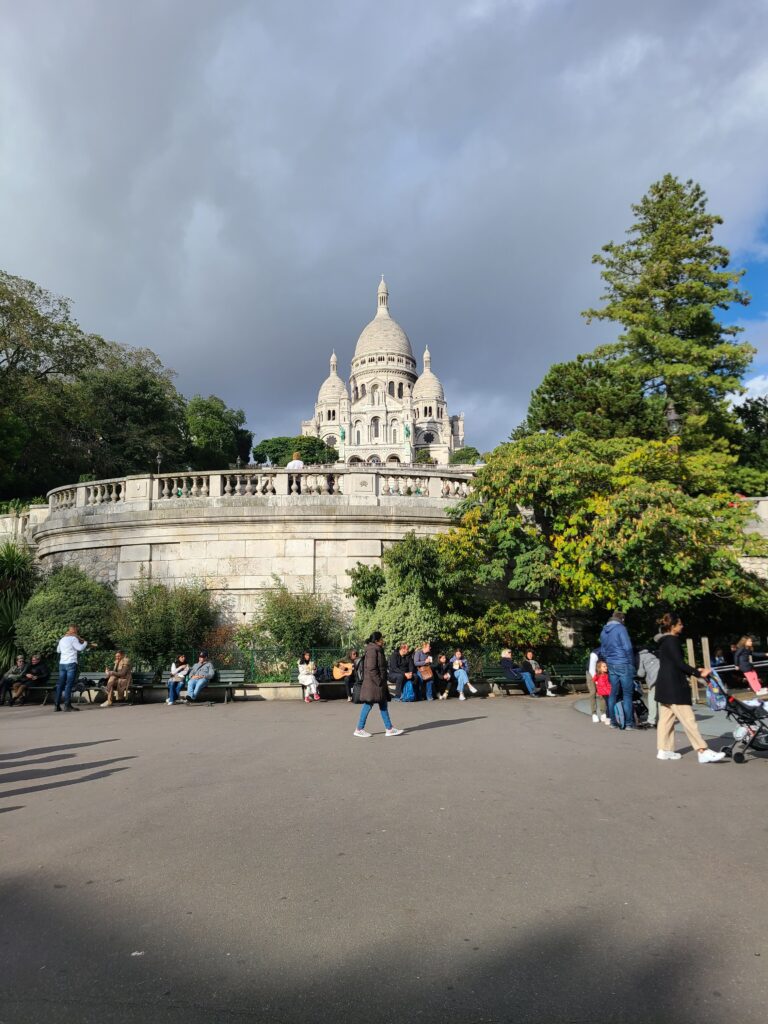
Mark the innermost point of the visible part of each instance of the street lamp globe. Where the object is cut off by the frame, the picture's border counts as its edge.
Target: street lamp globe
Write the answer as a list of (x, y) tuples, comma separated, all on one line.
[(673, 418)]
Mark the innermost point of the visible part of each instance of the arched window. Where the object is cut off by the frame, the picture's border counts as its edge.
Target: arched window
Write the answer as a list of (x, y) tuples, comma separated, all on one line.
[(391, 388), (362, 390), (375, 425), (400, 390), (394, 431), (358, 432)]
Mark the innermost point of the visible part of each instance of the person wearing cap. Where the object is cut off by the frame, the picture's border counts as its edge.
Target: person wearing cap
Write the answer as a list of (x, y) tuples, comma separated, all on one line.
[(619, 655), (201, 673)]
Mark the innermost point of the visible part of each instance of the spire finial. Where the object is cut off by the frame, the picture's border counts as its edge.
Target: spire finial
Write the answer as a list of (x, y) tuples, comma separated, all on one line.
[(427, 359), (382, 306), (334, 362)]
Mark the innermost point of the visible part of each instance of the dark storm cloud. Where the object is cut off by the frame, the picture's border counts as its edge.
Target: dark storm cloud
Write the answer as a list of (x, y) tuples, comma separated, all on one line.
[(224, 181)]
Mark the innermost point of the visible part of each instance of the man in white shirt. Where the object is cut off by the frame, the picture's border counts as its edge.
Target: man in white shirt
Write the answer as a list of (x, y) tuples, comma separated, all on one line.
[(70, 645)]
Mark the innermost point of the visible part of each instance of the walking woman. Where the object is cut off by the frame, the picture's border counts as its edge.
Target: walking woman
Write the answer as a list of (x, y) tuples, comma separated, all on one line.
[(307, 677), (375, 689), (673, 693)]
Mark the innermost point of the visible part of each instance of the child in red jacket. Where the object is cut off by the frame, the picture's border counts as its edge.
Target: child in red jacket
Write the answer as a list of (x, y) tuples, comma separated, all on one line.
[(603, 686)]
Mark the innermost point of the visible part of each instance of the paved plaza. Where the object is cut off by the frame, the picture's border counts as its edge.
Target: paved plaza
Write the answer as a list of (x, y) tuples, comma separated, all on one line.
[(503, 861)]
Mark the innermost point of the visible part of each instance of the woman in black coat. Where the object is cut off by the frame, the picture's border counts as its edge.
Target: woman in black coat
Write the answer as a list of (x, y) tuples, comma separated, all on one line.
[(374, 689), (673, 693)]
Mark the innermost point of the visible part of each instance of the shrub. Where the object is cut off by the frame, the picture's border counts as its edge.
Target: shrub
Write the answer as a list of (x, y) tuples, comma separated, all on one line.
[(18, 577), (67, 596), (159, 622), (294, 621)]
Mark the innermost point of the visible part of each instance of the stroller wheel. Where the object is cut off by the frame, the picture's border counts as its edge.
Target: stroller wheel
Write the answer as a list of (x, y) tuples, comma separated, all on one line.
[(728, 751), (738, 753), (760, 742)]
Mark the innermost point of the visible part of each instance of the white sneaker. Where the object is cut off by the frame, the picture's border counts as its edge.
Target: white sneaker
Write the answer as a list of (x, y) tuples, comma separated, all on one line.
[(595, 718), (169, 701), (710, 756), (604, 718), (462, 697), (668, 755), (472, 689), (394, 732), (362, 733)]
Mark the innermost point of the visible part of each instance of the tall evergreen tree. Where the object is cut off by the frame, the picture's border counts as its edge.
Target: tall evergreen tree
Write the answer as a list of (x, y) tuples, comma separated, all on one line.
[(667, 285)]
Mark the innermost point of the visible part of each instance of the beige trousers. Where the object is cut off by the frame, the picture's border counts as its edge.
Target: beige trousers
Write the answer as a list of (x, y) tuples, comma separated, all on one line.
[(665, 730)]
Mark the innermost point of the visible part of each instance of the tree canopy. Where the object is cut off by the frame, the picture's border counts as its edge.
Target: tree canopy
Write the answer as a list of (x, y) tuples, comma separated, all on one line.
[(279, 451)]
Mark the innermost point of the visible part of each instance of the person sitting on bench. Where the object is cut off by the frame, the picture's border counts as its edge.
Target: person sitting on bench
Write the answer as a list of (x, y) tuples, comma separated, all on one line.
[(201, 673), (36, 673), (515, 674), (119, 678), (545, 686)]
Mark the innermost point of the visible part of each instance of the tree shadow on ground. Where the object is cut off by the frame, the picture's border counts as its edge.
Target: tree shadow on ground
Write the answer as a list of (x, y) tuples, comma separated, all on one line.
[(34, 751), (161, 968)]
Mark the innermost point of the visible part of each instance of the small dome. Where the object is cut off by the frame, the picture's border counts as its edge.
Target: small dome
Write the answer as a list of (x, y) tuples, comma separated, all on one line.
[(428, 385), (383, 335), (332, 388)]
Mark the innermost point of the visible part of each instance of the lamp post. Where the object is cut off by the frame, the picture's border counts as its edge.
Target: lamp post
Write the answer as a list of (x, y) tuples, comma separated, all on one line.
[(673, 418), (238, 462)]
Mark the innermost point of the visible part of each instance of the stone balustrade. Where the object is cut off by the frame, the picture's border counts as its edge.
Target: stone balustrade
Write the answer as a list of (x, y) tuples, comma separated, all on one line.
[(263, 485)]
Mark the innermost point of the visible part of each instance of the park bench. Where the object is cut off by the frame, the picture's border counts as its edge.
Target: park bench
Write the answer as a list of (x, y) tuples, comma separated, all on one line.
[(226, 679), (325, 681), (47, 688), (495, 675), (87, 681), (568, 675)]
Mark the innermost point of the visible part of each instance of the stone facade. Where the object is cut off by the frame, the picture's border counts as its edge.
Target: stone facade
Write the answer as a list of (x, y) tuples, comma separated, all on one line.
[(389, 412), (236, 532)]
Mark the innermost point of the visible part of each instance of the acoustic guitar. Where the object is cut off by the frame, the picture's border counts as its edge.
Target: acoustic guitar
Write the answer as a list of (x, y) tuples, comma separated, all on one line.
[(343, 670)]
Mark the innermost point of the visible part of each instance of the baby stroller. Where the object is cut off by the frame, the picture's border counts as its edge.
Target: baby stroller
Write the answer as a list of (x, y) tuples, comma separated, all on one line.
[(751, 723), (639, 709)]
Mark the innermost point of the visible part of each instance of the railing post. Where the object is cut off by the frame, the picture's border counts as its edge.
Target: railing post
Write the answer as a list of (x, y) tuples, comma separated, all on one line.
[(81, 494), (214, 485)]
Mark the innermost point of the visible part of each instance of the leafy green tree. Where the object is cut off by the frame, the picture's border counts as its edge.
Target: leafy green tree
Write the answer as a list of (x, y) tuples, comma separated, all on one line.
[(159, 622), (18, 577), (466, 456), (423, 457), (366, 584), (129, 410), (667, 286), (587, 524), (599, 398), (295, 621), (279, 450), (217, 433), (750, 476), (67, 596)]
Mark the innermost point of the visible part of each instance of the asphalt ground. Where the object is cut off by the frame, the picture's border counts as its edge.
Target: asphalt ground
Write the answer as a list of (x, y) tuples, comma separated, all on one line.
[(503, 861)]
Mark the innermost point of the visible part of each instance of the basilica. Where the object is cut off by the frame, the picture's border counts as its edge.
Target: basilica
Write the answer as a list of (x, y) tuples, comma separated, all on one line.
[(389, 412)]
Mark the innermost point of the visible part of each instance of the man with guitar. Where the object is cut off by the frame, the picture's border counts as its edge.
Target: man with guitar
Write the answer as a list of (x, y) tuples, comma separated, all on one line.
[(345, 669)]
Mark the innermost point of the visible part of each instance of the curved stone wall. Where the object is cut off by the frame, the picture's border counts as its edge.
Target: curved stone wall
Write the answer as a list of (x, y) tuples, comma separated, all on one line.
[(236, 531)]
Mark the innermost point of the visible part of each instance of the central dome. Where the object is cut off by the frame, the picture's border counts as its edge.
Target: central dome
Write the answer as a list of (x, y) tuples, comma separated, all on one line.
[(383, 335)]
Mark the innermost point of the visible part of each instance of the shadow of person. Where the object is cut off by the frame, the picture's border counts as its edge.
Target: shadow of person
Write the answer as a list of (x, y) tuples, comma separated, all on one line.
[(441, 723)]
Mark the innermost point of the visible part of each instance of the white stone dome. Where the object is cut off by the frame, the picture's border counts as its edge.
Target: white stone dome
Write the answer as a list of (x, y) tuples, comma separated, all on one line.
[(428, 385), (383, 335), (332, 389)]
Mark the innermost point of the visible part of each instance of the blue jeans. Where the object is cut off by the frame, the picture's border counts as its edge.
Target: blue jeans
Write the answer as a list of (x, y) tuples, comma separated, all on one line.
[(365, 710), (426, 687), (622, 676), (528, 682), (461, 679), (67, 676), (174, 689), (195, 687)]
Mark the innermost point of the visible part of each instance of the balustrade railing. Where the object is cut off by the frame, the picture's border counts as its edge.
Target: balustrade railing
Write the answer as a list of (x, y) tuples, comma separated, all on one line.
[(109, 492), (380, 482), (184, 485)]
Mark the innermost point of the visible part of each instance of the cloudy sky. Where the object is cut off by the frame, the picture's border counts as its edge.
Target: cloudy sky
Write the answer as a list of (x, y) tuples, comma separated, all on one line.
[(225, 180)]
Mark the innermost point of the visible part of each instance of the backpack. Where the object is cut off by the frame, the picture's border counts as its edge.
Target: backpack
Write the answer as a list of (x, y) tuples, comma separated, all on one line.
[(716, 699), (408, 694), (357, 677)]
